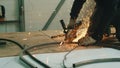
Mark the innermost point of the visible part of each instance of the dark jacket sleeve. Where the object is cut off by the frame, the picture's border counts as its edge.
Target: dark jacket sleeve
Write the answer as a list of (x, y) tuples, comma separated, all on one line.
[(76, 7)]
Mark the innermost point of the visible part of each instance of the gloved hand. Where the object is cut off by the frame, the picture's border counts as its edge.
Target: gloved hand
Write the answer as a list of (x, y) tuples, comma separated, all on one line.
[(70, 36), (72, 30), (71, 23)]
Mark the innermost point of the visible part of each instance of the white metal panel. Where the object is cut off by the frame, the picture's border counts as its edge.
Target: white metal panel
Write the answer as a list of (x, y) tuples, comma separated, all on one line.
[(55, 59)]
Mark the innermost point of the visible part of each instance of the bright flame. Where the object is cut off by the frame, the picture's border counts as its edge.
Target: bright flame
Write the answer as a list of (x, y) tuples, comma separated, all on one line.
[(82, 30)]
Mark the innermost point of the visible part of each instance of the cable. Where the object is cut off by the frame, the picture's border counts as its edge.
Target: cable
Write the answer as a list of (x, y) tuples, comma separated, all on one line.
[(32, 57), (78, 64), (22, 47), (13, 42), (25, 51), (28, 63), (38, 61), (117, 47), (66, 56)]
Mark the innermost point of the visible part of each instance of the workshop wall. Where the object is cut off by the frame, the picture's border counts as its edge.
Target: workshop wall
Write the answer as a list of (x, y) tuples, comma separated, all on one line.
[(11, 9), (37, 13), (11, 14)]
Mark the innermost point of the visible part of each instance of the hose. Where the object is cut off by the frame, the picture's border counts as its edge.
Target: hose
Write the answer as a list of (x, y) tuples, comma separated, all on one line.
[(117, 47), (78, 64), (21, 47), (32, 57), (26, 52)]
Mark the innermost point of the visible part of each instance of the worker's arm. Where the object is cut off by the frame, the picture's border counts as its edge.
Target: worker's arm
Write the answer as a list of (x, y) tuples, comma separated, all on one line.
[(76, 7)]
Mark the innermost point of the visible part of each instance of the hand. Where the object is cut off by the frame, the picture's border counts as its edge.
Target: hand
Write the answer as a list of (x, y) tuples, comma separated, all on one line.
[(70, 36), (71, 23)]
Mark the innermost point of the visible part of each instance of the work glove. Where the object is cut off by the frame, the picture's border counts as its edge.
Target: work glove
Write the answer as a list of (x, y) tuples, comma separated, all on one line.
[(71, 23), (72, 30)]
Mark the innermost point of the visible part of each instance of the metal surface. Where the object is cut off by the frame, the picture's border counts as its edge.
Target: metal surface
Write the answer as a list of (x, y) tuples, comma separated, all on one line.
[(55, 59)]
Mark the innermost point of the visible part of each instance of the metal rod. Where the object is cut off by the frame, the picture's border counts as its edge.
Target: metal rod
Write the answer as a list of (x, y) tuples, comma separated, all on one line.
[(95, 61), (53, 14), (63, 24), (21, 16), (32, 57)]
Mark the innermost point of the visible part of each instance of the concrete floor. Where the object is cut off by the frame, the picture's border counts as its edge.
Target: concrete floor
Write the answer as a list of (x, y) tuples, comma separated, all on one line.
[(28, 39)]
